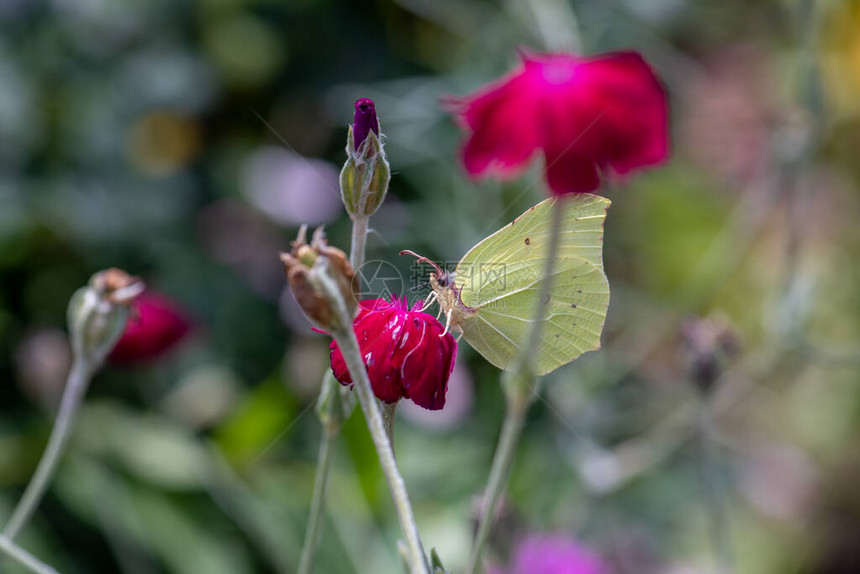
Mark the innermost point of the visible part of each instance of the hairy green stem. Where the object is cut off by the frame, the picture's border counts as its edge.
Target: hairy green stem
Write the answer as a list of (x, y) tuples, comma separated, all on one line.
[(521, 387), (318, 501), (713, 492), (512, 428), (330, 432), (387, 410), (359, 240), (76, 386), (24, 558), (348, 344)]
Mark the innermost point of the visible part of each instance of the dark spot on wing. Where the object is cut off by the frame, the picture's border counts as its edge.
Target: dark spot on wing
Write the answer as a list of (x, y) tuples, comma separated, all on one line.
[(573, 305), (528, 241)]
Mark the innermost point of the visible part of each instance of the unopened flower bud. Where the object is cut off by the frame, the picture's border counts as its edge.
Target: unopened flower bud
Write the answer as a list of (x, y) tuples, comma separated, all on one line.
[(711, 344), (366, 173), (306, 264), (364, 121), (97, 313)]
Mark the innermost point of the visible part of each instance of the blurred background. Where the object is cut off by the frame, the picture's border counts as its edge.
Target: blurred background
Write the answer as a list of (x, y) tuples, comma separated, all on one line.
[(186, 140)]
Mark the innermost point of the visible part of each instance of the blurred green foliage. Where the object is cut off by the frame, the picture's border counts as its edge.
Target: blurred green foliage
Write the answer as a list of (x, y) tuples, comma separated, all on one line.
[(127, 128)]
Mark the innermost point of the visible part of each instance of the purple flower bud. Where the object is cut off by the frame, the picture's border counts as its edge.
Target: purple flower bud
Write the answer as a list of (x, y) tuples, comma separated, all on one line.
[(365, 121)]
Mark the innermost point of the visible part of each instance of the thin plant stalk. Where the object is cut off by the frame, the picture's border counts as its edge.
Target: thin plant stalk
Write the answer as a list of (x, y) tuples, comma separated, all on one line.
[(348, 344), (359, 240), (387, 411), (521, 388), (24, 558), (718, 525), (73, 394), (330, 433), (306, 562)]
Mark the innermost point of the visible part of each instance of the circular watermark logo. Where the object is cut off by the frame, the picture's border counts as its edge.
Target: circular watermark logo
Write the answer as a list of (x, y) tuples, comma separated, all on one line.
[(379, 280)]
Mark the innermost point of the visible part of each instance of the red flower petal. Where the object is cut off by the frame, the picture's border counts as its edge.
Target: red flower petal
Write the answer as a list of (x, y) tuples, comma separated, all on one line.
[(505, 129), (605, 115), (427, 366), (403, 351), (155, 325)]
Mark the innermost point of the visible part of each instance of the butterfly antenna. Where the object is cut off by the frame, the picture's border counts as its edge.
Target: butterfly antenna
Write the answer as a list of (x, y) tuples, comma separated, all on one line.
[(417, 287), (422, 259)]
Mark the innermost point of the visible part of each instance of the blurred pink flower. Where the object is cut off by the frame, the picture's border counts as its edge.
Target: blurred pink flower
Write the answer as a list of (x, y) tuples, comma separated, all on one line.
[(553, 554), (459, 401), (597, 116), (155, 325), (291, 189), (727, 117), (404, 350)]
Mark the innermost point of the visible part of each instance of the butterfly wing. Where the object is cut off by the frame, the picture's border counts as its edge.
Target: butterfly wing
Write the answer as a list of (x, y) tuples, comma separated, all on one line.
[(502, 278)]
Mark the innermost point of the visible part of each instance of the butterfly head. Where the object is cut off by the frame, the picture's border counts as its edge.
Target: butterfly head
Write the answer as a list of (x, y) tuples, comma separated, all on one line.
[(445, 293)]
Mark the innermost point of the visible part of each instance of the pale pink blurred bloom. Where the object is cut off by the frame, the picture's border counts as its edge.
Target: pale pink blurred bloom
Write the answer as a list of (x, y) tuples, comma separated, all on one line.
[(43, 359), (307, 359), (460, 399), (780, 481), (291, 189), (553, 554), (204, 396), (727, 116), (237, 236), (688, 569), (293, 316)]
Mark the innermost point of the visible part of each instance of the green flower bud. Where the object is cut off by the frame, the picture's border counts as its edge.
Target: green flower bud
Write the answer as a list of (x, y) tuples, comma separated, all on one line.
[(365, 175), (97, 313)]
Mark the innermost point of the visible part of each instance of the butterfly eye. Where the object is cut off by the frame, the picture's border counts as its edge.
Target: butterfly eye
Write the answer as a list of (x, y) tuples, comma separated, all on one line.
[(444, 278)]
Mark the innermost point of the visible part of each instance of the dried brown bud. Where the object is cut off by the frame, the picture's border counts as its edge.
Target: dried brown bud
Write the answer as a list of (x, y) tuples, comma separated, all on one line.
[(117, 286), (711, 344), (303, 266)]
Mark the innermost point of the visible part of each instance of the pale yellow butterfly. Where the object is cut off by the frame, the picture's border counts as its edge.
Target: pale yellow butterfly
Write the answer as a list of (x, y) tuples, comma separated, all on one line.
[(492, 295)]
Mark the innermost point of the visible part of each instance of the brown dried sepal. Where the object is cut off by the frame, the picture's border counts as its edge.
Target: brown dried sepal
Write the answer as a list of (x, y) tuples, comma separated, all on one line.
[(305, 260), (117, 286)]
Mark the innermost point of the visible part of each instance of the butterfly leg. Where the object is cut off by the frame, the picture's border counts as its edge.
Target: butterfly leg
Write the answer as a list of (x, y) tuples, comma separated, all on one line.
[(431, 298), (447, 323)]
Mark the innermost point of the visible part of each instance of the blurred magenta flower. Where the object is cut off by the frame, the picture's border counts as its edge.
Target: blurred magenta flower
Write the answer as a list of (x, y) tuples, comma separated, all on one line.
[(553, 554), (591, 117), (364, 121), (406, 353), (155, 325)]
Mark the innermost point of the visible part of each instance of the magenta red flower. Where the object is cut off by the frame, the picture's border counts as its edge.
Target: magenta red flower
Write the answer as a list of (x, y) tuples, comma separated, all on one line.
[(155, 325), (553, 554), (591, 117), (364, 121), (406, 354)]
